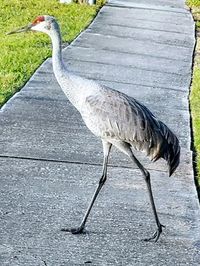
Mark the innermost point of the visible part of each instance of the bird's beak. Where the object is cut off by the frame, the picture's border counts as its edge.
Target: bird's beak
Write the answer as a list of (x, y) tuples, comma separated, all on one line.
[(23, 29)]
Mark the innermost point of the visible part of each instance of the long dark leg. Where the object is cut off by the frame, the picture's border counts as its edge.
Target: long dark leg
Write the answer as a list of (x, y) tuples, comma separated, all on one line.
[(146, 175), (125, 147), (80, 229)]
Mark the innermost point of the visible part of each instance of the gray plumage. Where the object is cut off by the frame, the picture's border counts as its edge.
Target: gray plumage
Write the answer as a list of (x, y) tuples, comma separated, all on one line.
[(114, 117)]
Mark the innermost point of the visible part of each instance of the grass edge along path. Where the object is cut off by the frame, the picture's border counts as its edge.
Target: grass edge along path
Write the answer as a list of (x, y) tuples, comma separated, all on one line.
[(20, 57), (195, 92)]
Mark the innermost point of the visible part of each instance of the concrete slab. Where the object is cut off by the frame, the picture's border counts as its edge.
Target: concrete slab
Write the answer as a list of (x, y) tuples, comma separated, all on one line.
[(132, 46), (36, 136), (108, 57), (145, 35), (144, 20), (123, 74), (38, 198), (46, 91), (145, 14)]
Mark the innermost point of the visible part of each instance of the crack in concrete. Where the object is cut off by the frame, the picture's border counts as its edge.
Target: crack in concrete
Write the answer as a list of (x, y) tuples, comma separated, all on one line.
[(76, 162)]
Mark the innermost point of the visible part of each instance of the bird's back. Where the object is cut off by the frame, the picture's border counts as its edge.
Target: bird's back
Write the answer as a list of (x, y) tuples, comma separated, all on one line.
[(110, 115)]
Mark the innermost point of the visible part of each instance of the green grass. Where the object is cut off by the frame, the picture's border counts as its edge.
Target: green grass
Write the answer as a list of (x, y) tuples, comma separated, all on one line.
[(195, 108), (195, 7), (195, 88), (21, 54), (193, 3)]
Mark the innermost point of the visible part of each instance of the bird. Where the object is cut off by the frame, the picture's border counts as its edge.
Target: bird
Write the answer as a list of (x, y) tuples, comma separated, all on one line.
[(116, 118)]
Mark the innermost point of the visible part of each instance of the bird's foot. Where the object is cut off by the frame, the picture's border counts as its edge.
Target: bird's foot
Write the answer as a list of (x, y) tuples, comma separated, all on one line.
[(74, 231), (156, 235)]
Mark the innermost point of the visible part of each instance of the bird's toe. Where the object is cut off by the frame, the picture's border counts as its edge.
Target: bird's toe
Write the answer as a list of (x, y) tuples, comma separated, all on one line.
[(156, 234), (74, 231)]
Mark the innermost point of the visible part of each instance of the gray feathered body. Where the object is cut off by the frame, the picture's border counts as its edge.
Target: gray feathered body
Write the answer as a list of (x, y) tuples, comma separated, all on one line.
[(114, 116)]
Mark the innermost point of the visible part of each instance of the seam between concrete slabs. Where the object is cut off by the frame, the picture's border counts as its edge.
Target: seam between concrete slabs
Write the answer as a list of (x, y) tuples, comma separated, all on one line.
[(118, 82), (126, 83), (120, 65), (145, 28), (51, 99), (149, 20), (128, 66), (124, 52), (39, 72), (88, 30), (75, 162), (167, 9), (129, 83)]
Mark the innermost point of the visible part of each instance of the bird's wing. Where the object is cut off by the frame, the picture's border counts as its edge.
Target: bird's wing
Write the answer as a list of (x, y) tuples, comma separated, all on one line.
[(116, 115)]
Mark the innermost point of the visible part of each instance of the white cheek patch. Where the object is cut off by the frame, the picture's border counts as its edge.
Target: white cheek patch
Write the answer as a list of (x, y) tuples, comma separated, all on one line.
[(42, 27), (36, 27)]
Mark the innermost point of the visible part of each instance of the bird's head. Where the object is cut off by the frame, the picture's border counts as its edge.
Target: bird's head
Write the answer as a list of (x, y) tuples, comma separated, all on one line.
[(43, 23)]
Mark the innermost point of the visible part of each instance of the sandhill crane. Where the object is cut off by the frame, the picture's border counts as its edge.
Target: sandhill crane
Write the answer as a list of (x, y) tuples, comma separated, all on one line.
[(114, 117)]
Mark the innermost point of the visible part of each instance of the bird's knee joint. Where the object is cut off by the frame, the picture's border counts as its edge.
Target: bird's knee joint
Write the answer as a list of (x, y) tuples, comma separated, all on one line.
[(147, 176), (102, 180)]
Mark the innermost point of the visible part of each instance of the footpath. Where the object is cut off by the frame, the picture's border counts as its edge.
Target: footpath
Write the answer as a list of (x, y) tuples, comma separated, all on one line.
[(50, 163)]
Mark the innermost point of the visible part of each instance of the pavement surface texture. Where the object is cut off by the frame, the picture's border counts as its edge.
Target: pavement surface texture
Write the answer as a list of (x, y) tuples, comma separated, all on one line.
[(50, 163)]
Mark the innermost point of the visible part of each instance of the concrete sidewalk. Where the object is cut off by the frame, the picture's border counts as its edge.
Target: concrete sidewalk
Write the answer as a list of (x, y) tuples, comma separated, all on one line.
[(50, 163)]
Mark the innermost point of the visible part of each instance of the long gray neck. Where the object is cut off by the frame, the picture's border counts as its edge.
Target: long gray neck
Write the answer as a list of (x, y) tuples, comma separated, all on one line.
[(65, 79), (57, 60)]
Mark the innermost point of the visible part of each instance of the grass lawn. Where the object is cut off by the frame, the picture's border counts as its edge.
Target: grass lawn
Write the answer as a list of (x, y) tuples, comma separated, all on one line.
[(195, 89), (22, 55)]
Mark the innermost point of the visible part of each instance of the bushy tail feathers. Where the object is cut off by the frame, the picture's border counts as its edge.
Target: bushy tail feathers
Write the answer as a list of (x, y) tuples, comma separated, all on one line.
[(169, 149)]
